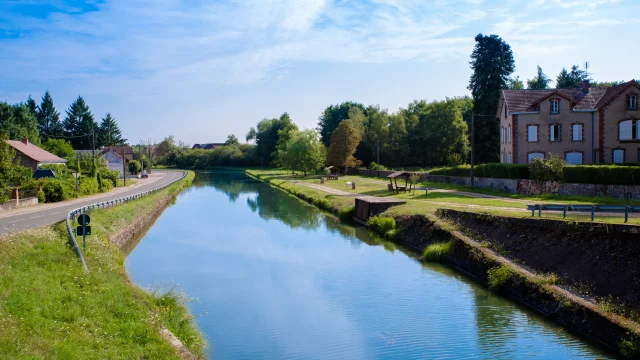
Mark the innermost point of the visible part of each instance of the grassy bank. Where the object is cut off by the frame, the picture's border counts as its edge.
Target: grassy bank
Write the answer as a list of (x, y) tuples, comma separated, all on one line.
[(50, 308)]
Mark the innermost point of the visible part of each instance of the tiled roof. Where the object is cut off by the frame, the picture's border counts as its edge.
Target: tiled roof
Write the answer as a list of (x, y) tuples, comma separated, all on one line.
[(35, 153), (527, 100)]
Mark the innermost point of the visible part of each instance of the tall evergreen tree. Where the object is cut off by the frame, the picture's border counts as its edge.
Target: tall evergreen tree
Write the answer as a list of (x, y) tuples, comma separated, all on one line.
[(492, 63), (109, 133), (17, 122), (571, 79), (49, 123), (79, 125), (31, 105), (540, 81)]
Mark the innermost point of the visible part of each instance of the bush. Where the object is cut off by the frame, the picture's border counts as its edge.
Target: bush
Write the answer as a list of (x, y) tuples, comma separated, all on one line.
[(59, 169), (134, 167), (602, 174), (547, 169), (111, 175), (106, 185), (57, 190), (498, 276), (374, 166), (382, 224), (41, 197), (88, 185), (437, 252), (455, 159), (492, 170)]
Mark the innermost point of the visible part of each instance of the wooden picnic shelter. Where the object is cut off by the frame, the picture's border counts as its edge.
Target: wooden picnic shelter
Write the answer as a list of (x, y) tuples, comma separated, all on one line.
[(334, 172), (393, 181)]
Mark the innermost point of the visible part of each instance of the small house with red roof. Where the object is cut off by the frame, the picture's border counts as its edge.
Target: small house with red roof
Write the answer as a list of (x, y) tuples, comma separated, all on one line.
[(32, 156)]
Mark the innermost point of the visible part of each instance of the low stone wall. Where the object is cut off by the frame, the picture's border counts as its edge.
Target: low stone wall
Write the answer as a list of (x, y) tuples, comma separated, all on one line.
[(508, 185), (14, 204), (381, 173)]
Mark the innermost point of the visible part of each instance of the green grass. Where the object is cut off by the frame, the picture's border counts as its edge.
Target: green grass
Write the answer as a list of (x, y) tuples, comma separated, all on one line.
[(437, 252), (498, 276), (50, 308)]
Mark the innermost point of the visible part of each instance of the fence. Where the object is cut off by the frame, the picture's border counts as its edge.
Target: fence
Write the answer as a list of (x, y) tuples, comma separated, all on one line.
[(593, 209), (71, 216)]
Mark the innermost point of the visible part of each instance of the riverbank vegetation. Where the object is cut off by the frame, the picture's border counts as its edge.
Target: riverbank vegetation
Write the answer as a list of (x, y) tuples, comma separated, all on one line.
[(51, 308)]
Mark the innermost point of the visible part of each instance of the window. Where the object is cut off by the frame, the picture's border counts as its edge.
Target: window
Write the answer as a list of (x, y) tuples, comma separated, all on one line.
[(576, 132), (502, 157), (502, 135), (554, 132), (555, 106), (618, 156), (535, 156), (629, 130), (509, 158), (509, 134), (633, 102), (532, 133), (574, 158)]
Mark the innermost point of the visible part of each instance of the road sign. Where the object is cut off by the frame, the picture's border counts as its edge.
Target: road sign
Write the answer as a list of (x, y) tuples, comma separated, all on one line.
[(84, 219), (83, 230)]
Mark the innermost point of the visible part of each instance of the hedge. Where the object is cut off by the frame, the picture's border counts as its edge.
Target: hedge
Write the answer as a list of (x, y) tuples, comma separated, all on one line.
[(491, 170), (601, 174)]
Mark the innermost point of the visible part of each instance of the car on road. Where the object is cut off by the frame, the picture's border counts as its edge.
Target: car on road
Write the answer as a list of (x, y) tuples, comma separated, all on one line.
[(144, 174)]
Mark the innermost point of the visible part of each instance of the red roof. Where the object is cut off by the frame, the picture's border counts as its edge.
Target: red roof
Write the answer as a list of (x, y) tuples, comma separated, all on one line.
[(35, 153)]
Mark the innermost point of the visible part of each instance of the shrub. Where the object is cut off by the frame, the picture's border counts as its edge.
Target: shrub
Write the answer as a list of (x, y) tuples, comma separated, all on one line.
[(455, 159), (134, 167), (382, 224), (41, 197), (492, 170), (437, 252), (59, 169), (88, 185), (547, 169), (111, 175), (602, 174), (57, 190), (374, 166), (498, 276)]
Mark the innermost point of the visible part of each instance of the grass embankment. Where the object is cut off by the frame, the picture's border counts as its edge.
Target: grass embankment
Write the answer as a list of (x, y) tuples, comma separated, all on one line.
[(50, 308)]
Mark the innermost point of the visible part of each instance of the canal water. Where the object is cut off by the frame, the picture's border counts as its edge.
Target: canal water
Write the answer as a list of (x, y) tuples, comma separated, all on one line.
[(275, 278)]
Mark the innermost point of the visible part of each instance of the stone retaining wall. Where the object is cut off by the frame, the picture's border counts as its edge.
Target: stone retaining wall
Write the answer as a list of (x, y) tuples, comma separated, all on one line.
[(14, 204)]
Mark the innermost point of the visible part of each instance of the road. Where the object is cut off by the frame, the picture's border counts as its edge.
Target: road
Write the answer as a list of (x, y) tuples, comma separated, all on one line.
[(44, 214)]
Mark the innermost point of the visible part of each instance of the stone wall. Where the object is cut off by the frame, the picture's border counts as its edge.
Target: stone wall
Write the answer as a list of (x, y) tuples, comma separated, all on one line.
[(508, 185), (14, 204)]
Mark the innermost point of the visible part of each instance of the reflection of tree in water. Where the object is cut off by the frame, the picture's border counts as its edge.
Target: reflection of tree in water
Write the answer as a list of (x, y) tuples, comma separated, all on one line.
[(495, 323), (231, 184)]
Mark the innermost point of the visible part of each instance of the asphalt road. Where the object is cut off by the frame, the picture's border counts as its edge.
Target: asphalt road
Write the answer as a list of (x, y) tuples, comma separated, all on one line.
[(45, 214)]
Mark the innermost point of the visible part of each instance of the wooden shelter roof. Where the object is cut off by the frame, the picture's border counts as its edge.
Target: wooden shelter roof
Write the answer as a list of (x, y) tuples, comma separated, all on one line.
[(398, 173)]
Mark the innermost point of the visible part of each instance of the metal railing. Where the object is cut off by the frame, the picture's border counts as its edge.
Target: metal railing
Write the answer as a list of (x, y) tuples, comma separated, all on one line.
[(593, 209), (71, 216)]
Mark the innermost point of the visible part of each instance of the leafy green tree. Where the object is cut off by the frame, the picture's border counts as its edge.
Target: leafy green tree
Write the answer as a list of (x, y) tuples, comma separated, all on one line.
[(17, 122), (109, 133), (305, 152), (251, 134), (492, 63), (377, 129), (332, 116), (59, 147), (515, 83), (49, 124), (79, 125), (344, 141), (31, 105), (134, 167), (540, 81), (606, 84), (267, 136), (11, 173), (396, 148), (232, 140), (571, 79)]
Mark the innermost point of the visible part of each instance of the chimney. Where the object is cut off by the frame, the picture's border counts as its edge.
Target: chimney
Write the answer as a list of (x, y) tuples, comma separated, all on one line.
[(25, 141), (585, 86)]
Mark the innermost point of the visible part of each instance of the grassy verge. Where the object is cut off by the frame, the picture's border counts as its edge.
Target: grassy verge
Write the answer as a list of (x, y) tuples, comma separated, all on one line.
[(50, 308)]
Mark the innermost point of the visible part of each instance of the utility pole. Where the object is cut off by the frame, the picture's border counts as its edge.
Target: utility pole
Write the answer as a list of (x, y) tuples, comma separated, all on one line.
[(124, 172), (473, 143)]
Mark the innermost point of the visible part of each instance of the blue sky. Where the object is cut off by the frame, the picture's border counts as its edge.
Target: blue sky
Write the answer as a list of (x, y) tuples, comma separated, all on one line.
[(201, 70)]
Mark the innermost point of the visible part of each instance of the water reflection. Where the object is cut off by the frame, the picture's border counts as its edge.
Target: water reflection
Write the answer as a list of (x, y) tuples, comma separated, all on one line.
[(281, 279)]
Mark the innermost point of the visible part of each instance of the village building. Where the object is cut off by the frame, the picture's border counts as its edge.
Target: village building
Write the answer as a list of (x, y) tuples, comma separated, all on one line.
[(32, 156), (587, 125), (112, 155)]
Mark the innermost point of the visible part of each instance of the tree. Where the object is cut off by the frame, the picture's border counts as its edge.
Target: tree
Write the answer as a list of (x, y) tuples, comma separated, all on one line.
[(134, 167), (515, 83), (232, 140), (109, 133), (79, 125), (267, 136), (59, 147), (305, 152), (492, 63), (396, 148), (606, 84), (11, 173), (49, 124), (31, 105), (344, 141), (377, 129), (571, 79), (251, 134), (332, 116), (540, 81), (17, 122)]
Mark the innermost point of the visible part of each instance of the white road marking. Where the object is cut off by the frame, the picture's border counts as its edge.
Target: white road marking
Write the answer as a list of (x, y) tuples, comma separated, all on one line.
[(15, 221), (57, 212), (35, 217)]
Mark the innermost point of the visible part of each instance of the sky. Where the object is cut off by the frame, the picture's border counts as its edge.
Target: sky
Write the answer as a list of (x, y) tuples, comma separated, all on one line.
[(201, 70)]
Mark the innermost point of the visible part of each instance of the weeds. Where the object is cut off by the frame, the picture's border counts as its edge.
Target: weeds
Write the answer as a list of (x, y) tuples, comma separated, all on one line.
[(630, 346), (498, 276), (546, 279), (438, 252), (382, 224)]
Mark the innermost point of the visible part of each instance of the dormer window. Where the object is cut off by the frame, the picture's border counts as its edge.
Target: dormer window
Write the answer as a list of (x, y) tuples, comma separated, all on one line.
[(633, 102), (555, 106)]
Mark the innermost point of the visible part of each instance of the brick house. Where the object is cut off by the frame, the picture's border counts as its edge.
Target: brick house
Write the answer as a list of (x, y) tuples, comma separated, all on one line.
[(32, 156), (584, 126)]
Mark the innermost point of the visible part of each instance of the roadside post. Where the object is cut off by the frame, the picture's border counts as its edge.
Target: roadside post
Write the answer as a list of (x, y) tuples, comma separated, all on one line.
[(84, 229)]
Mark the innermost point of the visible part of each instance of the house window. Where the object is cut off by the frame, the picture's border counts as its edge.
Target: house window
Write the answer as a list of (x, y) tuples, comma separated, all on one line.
[(502, 157), (629, 130), (532, 156), (618, 156), (573, 158), (576, 132), (532, 133), (509, 158), (554, 132), (509, 134), (555, 106), (502, 135), (633, 102)]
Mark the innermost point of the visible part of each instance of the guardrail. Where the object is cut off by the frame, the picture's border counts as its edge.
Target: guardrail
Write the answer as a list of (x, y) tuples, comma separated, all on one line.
[(593, 209), (71, 216)]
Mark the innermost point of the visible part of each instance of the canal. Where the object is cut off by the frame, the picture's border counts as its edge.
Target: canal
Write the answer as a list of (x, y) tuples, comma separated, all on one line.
[(275, 278)]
